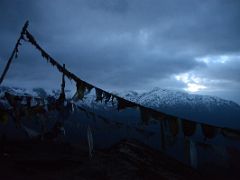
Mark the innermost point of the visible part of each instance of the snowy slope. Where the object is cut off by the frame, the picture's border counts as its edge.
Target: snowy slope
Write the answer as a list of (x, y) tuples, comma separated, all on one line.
[(197, 107), (200, 108), (159, 98), (156, 98)]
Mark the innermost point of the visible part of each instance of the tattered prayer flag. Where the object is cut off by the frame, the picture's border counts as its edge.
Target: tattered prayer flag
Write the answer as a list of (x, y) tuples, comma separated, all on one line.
[(106, 96), (189, 127), (190, 152), (80, 91), (112, 99), (145, 115), (89, 87), (99, 94), (45, 55), (54, 63), (163, 141), (13, 100), (186, 150), (173, 126), (193, 154), (28, 99), (209, 131), (90, 141), (30, 38), (61, 101), (16, 53), (122, 104), (60, 68)]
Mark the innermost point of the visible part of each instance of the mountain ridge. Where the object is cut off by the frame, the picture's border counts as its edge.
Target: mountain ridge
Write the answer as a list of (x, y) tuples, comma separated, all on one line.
[(201, 108)]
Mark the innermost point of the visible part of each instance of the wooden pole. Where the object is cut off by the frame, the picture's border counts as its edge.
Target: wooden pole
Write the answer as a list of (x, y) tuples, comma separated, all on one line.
[(62, 95), (15, 50), (63, 80)]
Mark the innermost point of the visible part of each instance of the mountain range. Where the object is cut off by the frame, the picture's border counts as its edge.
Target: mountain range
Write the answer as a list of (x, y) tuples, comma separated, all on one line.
[(200, 108)]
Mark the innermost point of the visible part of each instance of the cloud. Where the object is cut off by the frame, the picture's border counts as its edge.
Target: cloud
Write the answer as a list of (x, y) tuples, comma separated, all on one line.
[(123, 44)]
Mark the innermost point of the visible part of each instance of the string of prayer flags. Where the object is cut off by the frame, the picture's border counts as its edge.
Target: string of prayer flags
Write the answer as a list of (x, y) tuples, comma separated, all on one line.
[(100, 94), (189, 127)]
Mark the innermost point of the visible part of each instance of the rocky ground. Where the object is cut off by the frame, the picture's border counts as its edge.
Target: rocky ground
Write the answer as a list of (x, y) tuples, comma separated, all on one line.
[(125, 160)]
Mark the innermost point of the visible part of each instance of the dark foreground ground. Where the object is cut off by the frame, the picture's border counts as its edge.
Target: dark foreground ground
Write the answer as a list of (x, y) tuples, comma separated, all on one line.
[(125, 160)]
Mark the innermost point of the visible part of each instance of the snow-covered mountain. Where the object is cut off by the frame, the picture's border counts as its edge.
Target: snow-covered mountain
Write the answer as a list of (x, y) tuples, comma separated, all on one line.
[(201, 108), (35, 92), (162, 98), (197, 107)]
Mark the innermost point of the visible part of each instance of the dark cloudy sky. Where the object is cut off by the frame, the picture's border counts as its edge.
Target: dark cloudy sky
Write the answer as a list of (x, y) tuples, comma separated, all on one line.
[(128, 44)]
